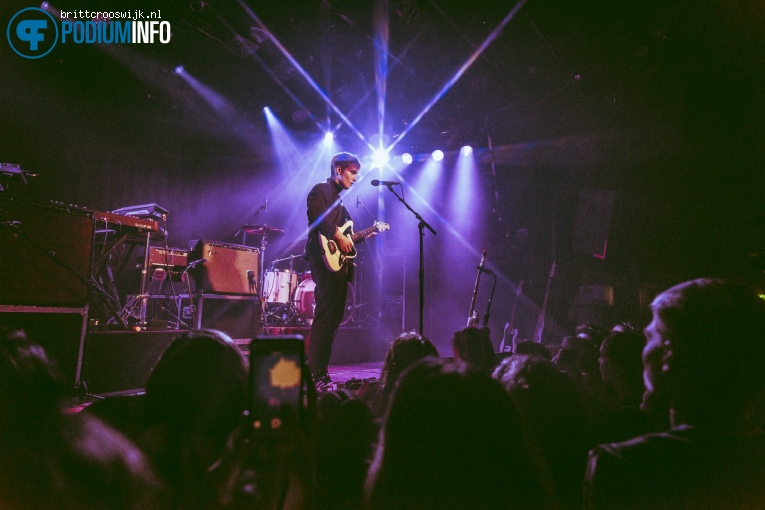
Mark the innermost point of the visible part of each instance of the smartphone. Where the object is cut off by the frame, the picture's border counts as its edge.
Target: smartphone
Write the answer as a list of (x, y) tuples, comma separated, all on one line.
[(276, 382)]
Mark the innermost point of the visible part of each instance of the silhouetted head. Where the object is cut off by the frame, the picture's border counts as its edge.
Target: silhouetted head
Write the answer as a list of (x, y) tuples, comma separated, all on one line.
[(403, 351), (200, 383), (706, 349), (578, 356), (449, 433), (546, 397), (32, 387), (592, 332), (532, 348), (473, 346), (621, 362)]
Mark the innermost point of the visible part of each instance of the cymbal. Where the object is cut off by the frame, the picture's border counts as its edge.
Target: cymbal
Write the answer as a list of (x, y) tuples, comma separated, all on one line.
[(257, 230)]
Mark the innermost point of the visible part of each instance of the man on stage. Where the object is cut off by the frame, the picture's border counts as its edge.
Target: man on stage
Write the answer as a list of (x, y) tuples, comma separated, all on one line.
[(325, 215)]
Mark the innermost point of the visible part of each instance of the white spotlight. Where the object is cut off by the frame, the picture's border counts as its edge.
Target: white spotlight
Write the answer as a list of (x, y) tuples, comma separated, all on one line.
[(178, 70), (328, 138), (466, 150), (380, 158), (406, 158), (438, 155)]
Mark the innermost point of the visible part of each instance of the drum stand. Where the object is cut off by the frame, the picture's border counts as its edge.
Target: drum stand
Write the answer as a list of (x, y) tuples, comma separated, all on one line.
[(135, 308), (286, 314)]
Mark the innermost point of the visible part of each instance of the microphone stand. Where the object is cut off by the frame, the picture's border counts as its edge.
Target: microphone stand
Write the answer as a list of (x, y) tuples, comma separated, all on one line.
[(360, 201), (421, 225)]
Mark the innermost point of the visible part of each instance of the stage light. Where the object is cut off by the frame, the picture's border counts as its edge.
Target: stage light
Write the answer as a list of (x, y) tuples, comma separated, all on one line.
[(406, 158), (380, 158), (438, 155), (178, 70), (328, 138), (466, 150), (44, 6)]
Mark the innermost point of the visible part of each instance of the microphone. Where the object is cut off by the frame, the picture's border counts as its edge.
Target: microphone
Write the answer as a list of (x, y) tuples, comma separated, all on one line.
[(385, 183), (195, 263), (266, 204), (487, 271), (358, 200)]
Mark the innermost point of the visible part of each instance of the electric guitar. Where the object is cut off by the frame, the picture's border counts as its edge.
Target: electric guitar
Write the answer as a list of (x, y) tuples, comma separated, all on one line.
[(505, 346), (333, 257), (540, 327)]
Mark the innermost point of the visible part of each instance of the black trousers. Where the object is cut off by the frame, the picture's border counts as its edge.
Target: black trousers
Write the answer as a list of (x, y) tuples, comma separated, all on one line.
[(329, 294)]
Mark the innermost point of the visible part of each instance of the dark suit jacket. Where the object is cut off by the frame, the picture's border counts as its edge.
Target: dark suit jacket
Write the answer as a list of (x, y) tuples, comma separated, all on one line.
[(323, 198)]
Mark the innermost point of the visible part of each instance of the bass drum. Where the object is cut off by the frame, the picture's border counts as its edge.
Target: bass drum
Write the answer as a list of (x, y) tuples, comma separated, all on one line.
[(278, 284), (305, 303)]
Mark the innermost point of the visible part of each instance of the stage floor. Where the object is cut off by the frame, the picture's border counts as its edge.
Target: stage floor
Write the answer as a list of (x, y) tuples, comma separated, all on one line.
[(340, 374)]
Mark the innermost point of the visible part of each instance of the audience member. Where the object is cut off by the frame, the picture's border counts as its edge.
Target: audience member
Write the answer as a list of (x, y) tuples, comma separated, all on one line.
[(473, 346), (194, 400), (624, 327), (345, 437), (53, 459), (452, 440), (592, 332), (705, 356), (406, 349), (578, 357), (553, 415), (123, 412), (621, 365), (532, 348)]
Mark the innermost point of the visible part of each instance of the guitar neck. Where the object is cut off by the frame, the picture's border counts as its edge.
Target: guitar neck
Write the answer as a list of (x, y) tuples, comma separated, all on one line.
[(359, 235)]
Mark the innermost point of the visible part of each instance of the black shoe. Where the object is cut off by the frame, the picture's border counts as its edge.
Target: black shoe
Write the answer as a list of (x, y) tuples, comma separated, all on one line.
[(323, 383)]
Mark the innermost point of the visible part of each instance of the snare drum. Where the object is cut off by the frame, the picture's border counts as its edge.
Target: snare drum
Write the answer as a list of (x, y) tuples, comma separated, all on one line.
[(278, 285), (306, 305)]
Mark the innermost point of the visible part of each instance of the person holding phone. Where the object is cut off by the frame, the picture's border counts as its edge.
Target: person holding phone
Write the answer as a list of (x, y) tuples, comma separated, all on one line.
[(326, 214)]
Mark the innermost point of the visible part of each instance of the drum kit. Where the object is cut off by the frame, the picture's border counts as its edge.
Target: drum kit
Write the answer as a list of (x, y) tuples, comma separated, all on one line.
[(287, 293)]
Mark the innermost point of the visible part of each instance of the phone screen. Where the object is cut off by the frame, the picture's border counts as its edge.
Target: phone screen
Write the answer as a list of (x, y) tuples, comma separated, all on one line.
[(276, 385)]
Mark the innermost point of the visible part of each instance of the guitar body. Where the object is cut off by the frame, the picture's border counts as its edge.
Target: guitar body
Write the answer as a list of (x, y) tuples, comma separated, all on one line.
[(330, 251)]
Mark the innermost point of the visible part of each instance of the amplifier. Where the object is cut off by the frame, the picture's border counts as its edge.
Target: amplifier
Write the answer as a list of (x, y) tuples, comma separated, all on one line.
[(46, 252), (227, 268), (170, 257)]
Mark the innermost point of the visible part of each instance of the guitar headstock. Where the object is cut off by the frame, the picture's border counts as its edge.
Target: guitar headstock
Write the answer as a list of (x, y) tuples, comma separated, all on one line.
[(381, 226)]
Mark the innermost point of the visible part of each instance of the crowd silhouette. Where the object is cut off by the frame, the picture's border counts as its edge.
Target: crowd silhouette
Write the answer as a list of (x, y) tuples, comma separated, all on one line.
[(608, 419)]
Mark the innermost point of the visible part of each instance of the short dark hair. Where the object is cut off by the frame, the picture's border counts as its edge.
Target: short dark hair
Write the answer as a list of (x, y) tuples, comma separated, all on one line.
[(716, 333), (343, 160)]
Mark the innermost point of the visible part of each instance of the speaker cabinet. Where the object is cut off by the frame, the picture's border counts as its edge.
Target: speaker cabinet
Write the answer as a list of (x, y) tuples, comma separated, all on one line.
[(119, 361), (228, 268), (60, 331), (237, 316), (46, 252), (593, 221)]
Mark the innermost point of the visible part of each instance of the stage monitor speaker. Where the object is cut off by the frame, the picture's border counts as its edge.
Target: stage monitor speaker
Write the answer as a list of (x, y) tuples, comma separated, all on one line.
[(60, 331), (227, 269), (45, 258), (119, 361), (237, 316)]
